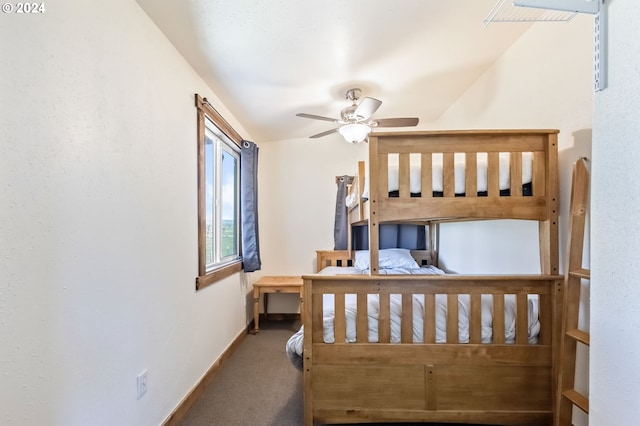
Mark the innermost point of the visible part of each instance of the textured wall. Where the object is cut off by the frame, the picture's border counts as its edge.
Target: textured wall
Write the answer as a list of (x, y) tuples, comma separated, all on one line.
[(615, 206), (98, 224)]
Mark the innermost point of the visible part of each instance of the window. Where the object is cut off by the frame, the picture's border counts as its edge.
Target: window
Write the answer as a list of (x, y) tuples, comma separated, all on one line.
[(222, 175), (219, 252)]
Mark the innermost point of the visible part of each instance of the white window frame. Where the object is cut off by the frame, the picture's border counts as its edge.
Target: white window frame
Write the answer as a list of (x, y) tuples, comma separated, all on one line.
[(221, 144)]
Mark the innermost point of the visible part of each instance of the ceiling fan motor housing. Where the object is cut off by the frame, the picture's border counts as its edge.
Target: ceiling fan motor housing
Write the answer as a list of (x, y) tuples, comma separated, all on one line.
[(348, 114)]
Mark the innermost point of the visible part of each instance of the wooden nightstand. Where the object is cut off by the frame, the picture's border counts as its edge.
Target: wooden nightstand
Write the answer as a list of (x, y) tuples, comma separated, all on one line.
[(273, 284)]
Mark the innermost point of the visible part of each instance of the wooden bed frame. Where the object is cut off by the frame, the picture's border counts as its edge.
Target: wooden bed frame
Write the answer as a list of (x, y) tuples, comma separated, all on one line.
[(494, 383)]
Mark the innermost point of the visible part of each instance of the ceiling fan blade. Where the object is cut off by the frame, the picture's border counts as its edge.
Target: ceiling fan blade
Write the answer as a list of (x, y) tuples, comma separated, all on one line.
[(397, 122), (317, 117), (367, 107), (328, 132)]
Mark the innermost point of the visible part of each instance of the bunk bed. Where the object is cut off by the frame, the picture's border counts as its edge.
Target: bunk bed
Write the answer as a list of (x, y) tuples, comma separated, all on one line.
[(383, 347)]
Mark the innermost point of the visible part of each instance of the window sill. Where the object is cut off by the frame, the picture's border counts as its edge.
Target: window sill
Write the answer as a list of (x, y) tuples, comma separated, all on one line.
[(218, 274)]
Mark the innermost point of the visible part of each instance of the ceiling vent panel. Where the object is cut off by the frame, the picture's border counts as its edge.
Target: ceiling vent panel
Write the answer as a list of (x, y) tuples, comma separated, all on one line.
[(506, 11)]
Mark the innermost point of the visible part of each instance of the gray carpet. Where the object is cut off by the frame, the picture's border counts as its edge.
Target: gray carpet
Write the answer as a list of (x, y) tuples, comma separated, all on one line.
[(256, 386)]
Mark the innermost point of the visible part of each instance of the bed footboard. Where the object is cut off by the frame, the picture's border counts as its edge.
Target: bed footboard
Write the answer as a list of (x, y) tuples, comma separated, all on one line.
[(418, 376)]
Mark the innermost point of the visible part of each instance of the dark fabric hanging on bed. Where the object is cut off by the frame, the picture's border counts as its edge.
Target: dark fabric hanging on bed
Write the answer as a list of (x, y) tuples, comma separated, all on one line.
[(249, 206), (341, 224)]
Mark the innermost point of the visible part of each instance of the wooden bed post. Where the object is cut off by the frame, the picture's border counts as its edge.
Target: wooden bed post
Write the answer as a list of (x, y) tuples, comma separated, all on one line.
[(374, 195), (307, 349), (362, 172), (548, 229), (434, 242), (350, 231)]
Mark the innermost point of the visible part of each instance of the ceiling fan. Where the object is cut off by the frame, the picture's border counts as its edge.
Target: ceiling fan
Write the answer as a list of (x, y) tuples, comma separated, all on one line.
[(356, 121)]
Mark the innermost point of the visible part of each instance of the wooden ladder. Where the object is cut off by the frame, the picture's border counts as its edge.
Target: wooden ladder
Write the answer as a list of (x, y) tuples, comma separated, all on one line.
[(566, 395)]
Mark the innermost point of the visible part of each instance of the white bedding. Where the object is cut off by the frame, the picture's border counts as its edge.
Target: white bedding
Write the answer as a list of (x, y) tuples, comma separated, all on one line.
[(415, 181), (295, 344)]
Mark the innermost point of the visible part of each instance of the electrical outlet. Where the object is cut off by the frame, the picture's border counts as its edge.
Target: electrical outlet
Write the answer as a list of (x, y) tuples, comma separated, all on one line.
[(142, 384)]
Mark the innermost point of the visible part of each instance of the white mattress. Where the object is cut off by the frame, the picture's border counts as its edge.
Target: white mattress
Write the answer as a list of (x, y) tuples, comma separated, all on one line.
[(437, 179), (295, 344)]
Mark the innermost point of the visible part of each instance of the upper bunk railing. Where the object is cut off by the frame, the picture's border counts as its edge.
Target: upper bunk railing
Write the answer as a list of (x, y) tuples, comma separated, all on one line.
[(482, 162)]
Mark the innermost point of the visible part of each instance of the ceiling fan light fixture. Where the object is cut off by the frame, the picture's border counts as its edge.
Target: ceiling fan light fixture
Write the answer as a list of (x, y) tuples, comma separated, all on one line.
[(354, 133), (356, 118)]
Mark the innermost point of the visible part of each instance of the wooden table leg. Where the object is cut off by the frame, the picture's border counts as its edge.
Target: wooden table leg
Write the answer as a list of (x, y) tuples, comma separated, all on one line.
[(265, 300), (256, 309)]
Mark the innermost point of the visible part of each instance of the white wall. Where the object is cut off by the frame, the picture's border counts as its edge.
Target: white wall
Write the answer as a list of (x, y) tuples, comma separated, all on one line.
[(615, 205), (98, 225), (297, 195)]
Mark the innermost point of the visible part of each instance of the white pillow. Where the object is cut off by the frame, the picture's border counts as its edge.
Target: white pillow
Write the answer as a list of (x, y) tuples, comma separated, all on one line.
[(387, 259)]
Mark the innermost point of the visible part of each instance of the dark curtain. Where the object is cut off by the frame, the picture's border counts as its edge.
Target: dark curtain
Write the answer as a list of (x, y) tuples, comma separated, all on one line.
[(341, 225), (249, 206)]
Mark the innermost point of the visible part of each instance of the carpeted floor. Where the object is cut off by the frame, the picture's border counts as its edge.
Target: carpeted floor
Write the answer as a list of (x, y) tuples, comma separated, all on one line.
[(256, 386)]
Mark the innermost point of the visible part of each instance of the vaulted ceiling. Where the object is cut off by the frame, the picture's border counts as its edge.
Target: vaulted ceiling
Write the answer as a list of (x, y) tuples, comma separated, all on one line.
[(268, 60)]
